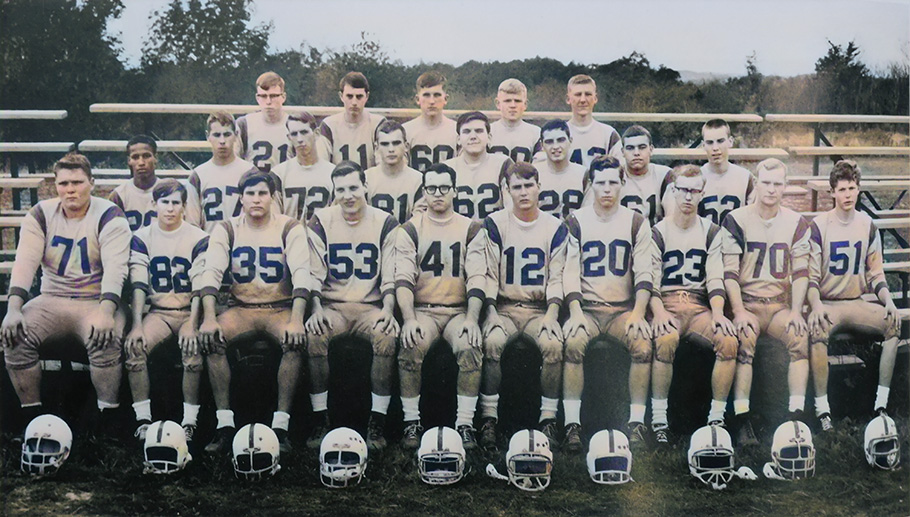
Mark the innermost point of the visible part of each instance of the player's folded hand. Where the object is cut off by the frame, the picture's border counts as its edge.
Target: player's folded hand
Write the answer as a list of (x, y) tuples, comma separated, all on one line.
[(746, 324), (189, 344), (410, 332), (209, 334), (638, 326), (820, 322), (664, 323), (892, 317), (294, 335)]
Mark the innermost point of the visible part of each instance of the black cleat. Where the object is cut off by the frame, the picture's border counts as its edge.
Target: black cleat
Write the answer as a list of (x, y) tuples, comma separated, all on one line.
[(572, 442), (637, 433), (550, 429), (413, 431), (661, 434), (468, 438), (825, 422), (189, 430), (141, 430), (375, 431), (284, 441), (488, 434), (221, 443), (320, 429), (745, 434)]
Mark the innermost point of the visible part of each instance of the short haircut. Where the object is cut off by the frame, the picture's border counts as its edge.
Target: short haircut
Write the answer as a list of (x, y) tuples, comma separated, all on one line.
[(142, 139), (688, 171), (523, 170), (580, 79), (513, 86), (304, 117), (604, 162), (636, 130), (268, 80), (555, 125), (354, 80), (844, 170), (770, 164), (439, 168), (166, 187), (222, 117), (348, 167), (716, 123), (431, 79), (74, 160), (255, 176), (469, 116), (388, 127)]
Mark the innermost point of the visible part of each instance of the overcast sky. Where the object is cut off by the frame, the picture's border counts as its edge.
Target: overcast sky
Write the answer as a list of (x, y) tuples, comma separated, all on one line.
[(703, 36)]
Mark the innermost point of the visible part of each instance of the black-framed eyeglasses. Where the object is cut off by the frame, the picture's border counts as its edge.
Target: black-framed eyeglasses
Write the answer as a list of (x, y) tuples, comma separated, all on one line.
[(433, 189), (690, 191)]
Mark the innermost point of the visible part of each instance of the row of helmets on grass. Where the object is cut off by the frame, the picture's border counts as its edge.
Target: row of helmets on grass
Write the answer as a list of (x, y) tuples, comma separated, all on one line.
[(442, 459)]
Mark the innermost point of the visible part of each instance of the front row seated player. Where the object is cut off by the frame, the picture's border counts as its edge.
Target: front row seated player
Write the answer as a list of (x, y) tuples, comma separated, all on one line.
[(81, 243), (526, 254), (440, 271), (608, 282), (688, 299), (845, 263), (352, 246), (267, 256), (165, 263)]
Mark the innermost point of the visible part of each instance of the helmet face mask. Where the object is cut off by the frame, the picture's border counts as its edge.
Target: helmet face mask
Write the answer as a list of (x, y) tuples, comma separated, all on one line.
[(165, 448), (529, 460), (882, 444), (255, 452), (342, 458), (441, 456), (711, 456), (47, 444), (792, 451), (609, 458)]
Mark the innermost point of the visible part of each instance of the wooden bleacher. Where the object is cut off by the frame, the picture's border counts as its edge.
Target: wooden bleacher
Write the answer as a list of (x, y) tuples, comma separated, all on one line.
[(32, 114)]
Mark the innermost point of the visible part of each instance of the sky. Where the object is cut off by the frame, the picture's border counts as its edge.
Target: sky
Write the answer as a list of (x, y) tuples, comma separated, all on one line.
[(712, 36)]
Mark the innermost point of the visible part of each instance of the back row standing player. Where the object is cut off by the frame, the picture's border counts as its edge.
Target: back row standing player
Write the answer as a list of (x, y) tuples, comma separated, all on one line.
[(134, 197), (306, 181), (350, 133), (511, 135), (263, 137), (590, 138), (431, 136)]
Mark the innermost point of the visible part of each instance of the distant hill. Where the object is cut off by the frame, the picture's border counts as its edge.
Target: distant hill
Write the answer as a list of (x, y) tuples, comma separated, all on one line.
[(689, 76)]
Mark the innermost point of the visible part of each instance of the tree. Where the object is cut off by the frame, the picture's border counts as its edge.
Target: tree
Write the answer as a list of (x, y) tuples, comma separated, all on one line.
[(844, 81)]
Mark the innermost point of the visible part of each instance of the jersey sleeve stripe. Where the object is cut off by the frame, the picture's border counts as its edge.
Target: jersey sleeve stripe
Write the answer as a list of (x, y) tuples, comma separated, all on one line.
[(473, 229), (112, 297), (109, 215), (493, 232), (410, 231), (559, 237), (802, 226), (712, 233), (736, 231), (815, 235), (39, 216), (658, 240), (288, 226), (387, 227), (200, 247), (20, 292), (476, 293), (573, 226), (637, 221), (316, 226), (142, 286), (138, 246)]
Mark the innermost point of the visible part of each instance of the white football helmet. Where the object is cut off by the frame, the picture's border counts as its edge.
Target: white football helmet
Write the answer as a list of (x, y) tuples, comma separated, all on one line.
[(610, 458), (792, 451), (165, 448), (342, 458), (441, 456), (529, 460), (711, 456), (46, 445), (882, 445), (255, 452)]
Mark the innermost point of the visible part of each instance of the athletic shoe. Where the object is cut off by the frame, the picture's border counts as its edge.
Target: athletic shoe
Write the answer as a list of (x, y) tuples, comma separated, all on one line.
[(637, 433), (375, 430), (718, 423), (284, 441), (661, 434), (142, 430), (189, 430), (745, 435), (572, 442), (826, 424), (221, 443), (413, 431), (468, 438), (550, 429), (488, 434), (319, 430)]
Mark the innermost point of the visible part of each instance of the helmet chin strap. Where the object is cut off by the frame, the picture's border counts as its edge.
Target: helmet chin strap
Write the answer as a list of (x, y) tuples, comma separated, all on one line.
[(746, 473), (493, 473), (770, 473), (718, 486)]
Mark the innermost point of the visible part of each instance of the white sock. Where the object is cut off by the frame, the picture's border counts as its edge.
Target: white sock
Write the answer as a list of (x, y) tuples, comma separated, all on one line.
[(281, 420), (821, 405), (381, 403), (143, 410), (740, 406), (33, 404), (411, 408), (319, 401), (102, 405), (489, 406), (225, 418), (636, 413), (658, 412), (718, 407), (573, 411), (464, 415), (881, 397), (190, 414), (548, 408), (797, 403)]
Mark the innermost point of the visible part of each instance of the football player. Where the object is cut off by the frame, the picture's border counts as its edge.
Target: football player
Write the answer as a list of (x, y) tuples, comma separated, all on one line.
[(263, 136), (165, 262), (766, 276), (350, 133), (688, 299), (510, 135), (353, 265), (608, 282), (645, 181), (81, 243), (440, 268), (266, 255), (431, 136), (392, 186), (479, 172), (134, 197), (526, 254), (306, 181), (590, 138), (846, 262), (561, 181)]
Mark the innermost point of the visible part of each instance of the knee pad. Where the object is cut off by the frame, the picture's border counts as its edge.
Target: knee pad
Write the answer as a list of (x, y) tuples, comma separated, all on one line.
[(411, 359), (494, 344), (797, 347), (317, 346), (665, 347), (640, 350), (383, 344), (576, 347), (746, 351), (137, 363), (469, 359), (550, 350), (192, 363), (106, 357), (725, 347)]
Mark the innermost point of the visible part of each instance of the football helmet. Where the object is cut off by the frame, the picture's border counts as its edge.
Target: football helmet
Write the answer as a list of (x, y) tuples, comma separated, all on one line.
[(342, 458), (165, 448), (882, 445), (792, 451), (529, 460), (441, 456), (46, 445), (711, 456), (610, 458), (255, 452)]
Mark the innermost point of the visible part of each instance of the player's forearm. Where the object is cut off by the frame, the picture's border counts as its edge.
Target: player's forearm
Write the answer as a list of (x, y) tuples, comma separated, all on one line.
[(717, 306), (884, 296), (14, 303), (298, 309), (108, 307), (642, 297), (734, 295), (194, 312), (208, 307), (814, 298), (657, 305), (406, 303), (575, 310), (474, 307), (138, 306), (388, 302), (799, 287), (553, 311)]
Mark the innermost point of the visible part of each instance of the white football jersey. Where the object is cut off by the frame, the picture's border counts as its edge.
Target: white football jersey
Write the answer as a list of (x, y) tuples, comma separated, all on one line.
[(561, 193), (213, 195), (723, 193), (479, 192), (688, 259), (348, 142), (136, 203), (846, 258), (168, 265), (395, 195), (644, 193), (265, 145), (305, 188), (518, 143), (430, 145), (593, 140)]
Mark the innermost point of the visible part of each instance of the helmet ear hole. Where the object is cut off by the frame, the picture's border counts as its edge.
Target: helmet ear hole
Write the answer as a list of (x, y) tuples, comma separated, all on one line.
[(46, 445), (343, 458), (441, 457), (255, 452)]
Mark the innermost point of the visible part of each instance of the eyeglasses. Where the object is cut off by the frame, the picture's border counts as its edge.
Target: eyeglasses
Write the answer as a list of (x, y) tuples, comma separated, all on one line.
[(433, 189), (270, 96), (690, 191)]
